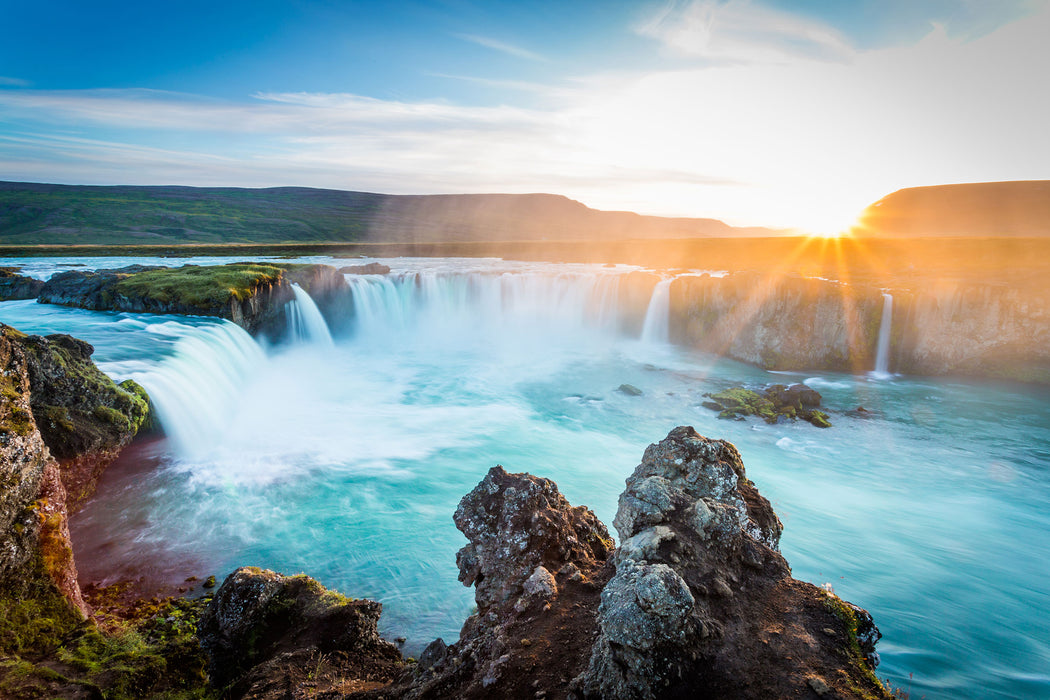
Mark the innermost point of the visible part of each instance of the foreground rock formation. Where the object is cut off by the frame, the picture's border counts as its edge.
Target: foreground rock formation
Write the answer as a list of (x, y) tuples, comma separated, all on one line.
[(696, 602), (61, 422), (273, 636), (252, 295)]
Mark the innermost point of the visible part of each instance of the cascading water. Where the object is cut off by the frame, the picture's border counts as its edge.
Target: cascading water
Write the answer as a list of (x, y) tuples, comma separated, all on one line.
[(196, 389), (657, 316), (436, 305), (882, 355), (305, 322), (347, 462)]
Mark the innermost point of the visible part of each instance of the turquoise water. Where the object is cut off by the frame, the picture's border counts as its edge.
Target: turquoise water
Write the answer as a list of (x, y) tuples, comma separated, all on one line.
[(347, 460)]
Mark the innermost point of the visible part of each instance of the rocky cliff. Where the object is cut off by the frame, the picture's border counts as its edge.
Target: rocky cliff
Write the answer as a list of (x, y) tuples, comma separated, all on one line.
[(61, 422), (696, 602), (940, 327), (252, 295)]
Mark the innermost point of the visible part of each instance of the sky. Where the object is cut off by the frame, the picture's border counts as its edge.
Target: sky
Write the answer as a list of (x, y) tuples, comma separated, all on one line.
[(783, 113)]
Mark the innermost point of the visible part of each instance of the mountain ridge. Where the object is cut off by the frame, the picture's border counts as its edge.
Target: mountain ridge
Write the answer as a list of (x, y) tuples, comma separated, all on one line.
[(43, 213)]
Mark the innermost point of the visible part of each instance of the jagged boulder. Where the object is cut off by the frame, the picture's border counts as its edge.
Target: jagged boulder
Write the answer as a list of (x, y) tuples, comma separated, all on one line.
[(36, 559), (702, 603), (265, 633), (521, 528), (85, 418), (538, 564)]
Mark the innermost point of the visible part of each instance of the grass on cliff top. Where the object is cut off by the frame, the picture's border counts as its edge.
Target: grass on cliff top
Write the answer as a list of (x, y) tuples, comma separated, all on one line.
[(201, 287)]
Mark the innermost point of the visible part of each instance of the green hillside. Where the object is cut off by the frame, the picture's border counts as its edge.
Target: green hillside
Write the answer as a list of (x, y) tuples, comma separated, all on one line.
[(33, 214)]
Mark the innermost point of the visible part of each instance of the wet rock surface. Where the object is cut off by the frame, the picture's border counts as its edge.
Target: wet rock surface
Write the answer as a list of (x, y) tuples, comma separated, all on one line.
[(776, 404), (252, 295), (35, 549), (696, 602), (16, 286), (266, 634)]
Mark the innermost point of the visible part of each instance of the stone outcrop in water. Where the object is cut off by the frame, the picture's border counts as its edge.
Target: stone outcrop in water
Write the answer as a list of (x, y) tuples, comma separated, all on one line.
[(696, 602), (537, 564), (252, 295), (702, 603), (267, 635), (776, 403), (16, 286)]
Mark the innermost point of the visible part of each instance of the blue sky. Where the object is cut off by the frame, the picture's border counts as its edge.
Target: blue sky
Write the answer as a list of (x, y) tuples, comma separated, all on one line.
[(775, 112)]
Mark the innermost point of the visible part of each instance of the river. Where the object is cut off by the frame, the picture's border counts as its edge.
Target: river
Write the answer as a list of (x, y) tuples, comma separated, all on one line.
[(344, 455)]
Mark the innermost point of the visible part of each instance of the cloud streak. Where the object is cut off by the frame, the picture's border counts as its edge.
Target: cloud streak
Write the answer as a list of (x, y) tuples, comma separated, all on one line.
[(501, 47), (741, 31), (800, 141)]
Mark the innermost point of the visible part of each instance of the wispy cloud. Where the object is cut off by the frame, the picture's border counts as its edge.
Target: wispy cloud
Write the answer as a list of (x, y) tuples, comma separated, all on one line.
[(741, 30), (13, 82), (501, 46), (520, 85), (772, 143)]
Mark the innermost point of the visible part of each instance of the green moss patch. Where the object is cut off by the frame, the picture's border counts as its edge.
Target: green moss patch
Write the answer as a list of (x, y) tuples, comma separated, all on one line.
[(776, 403), (146, 650), (199, 287)]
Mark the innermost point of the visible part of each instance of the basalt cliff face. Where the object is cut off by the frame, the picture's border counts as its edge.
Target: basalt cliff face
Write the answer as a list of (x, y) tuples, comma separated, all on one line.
[(793, 323), (251, 295), (61, 422)]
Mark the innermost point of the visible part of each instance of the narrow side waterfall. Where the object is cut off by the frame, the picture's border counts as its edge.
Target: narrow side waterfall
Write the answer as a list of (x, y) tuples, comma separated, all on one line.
[(195, 390), (305, 322), (882, 356), (657, 316)]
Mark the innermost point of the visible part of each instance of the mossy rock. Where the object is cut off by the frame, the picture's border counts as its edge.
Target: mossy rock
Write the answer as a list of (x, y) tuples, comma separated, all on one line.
[(819, 419)]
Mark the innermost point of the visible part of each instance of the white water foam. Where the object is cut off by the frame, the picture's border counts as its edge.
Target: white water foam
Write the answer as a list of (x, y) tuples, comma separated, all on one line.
[(305, 322)]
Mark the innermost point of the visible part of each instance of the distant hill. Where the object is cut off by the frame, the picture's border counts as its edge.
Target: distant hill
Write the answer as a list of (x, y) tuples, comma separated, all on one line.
[(32, 213), (988, 209)]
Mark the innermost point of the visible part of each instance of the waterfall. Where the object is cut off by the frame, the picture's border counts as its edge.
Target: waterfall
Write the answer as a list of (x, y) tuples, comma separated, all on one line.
[(657, 316), (882, 357), (194, 391), (305, 322), (433, 304)]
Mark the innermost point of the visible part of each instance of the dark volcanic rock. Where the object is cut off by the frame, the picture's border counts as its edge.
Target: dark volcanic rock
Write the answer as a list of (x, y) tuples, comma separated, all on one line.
[(775, 404), (34, 532), (85, 418), (702, 604), (264, 633), (537, 564), (16, 286), (252, 295), (696, 602)]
